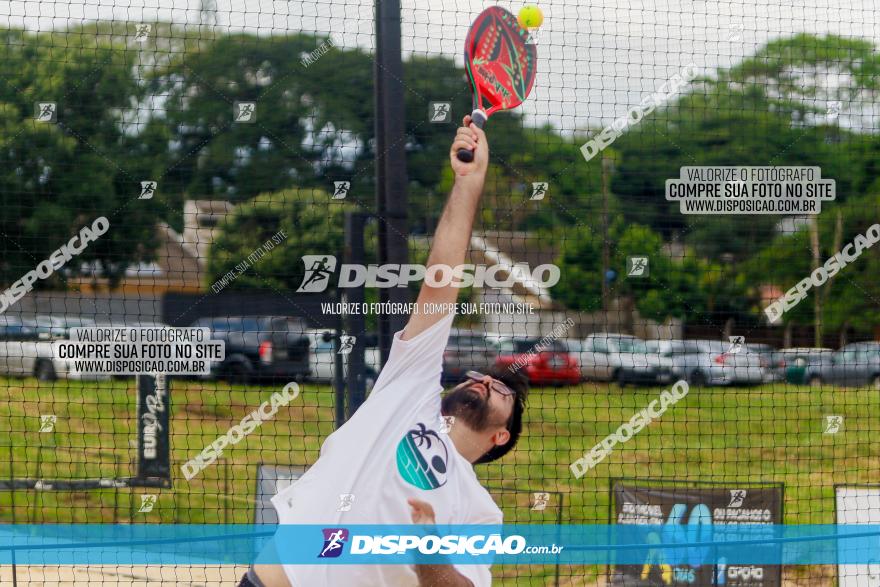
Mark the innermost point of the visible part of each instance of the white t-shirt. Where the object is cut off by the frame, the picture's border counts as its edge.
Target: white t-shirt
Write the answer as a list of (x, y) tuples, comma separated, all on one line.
[(393, 448)]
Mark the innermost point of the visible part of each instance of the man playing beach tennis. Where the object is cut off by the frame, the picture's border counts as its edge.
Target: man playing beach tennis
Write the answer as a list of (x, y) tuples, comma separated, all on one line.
[(407, 456)]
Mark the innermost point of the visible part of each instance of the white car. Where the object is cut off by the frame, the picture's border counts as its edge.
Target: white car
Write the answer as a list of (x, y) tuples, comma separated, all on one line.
[(322, 360), (621, 358), (691, 362), (739, 366), (27, 348)]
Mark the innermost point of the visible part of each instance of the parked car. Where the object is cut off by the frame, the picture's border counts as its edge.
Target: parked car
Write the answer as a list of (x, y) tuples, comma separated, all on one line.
[(803, 365), (58, 327), (856, 364), (551, 364), (465, 351), (11, 327), (322, 360), (774, 369), (17, 347), (260, 347), (622, 358), (761, 349), (690, 361), (27, 348), (742, 367)]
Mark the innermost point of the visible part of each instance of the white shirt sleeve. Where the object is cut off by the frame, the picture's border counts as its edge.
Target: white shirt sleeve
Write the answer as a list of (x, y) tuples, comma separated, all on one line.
[(418, 359), (481, 575)]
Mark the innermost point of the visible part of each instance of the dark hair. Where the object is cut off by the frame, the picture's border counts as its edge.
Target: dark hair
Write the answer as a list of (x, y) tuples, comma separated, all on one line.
[(519, 383)]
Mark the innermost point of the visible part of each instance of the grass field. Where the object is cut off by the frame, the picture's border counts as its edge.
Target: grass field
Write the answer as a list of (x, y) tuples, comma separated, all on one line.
[(770, 433)]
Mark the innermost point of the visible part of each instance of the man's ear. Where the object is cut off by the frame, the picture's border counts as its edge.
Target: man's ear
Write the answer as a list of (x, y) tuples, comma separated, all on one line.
[(501, 437)]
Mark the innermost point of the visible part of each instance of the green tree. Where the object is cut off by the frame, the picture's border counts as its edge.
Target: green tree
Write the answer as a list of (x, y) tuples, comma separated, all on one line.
[(852, 297), (314, 125), (57, 177), (313, 225), (771, 109), (681, 286)]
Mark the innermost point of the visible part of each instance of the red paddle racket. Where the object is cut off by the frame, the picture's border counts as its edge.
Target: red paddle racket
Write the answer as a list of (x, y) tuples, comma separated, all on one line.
[(500, 64)]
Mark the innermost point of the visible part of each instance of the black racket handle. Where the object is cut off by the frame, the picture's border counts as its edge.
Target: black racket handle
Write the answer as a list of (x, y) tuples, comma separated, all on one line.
[(479, 118)]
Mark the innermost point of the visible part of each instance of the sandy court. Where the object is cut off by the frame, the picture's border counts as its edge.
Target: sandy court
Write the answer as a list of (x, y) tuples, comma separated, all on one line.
[(229, 575), (122, 575)]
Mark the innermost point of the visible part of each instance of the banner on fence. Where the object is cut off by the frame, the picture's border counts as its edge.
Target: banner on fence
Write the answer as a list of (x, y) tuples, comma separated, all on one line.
[(153, 408), (674, 506)]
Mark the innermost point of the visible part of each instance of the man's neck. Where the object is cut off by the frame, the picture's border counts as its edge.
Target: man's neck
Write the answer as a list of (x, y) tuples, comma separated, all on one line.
[(467, 442)]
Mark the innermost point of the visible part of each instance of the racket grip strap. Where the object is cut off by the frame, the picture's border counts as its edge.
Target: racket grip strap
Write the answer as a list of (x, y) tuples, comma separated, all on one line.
[(479, 119)]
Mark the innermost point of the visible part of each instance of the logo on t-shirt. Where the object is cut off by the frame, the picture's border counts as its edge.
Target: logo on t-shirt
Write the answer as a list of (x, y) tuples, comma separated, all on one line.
[(422, 458), (334, 540)]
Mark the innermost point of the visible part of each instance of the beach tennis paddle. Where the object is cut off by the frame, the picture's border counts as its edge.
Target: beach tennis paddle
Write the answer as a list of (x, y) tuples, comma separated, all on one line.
[(500, 65)]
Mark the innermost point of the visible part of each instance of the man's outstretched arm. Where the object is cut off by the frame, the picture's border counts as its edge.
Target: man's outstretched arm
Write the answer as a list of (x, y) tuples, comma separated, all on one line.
[(453, 234)]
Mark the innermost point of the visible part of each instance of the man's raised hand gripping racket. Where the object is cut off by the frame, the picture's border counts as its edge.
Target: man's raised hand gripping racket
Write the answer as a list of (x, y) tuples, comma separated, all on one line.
[(500, 64)]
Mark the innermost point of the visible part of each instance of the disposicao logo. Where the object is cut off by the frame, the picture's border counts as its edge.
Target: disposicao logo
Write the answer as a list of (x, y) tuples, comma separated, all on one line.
[(320, 268), (334, 542)]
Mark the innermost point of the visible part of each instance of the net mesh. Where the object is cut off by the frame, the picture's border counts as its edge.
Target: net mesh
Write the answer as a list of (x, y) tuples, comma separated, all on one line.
[(225, 142)]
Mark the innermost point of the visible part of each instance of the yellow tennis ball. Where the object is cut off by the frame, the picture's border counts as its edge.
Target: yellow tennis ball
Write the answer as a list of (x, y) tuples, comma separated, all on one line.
[(530, 17)]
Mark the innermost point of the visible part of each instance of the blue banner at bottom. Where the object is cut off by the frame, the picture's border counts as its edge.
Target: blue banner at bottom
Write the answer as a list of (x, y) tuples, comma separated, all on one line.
[(672, 544)]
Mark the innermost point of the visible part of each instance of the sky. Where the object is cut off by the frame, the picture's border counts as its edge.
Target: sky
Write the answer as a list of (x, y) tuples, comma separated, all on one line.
[(596, 58)]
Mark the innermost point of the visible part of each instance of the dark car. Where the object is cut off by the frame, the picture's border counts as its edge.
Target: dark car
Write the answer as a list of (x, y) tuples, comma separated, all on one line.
[(544, 364), (856, 364), (260, 347), (466, 351)]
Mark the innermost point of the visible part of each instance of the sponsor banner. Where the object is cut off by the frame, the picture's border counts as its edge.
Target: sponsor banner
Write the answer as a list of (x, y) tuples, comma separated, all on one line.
[(859, 505), (735, 546), (153, 408), (686, 514)]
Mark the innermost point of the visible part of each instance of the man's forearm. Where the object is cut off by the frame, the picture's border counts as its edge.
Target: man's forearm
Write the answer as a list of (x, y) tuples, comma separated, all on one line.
[(441, 576), (451, 241), (453, 234)]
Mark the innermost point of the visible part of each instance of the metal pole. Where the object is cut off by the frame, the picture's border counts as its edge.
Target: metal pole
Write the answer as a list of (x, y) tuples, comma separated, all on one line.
[(338, 369), (606, 255), (116, 489), (354, 254), (11, 485), (225, 491), (391, 197), (558, 526)]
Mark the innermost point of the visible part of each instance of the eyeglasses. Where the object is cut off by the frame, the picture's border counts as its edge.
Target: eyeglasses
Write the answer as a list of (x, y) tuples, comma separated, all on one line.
[(490, 382)]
